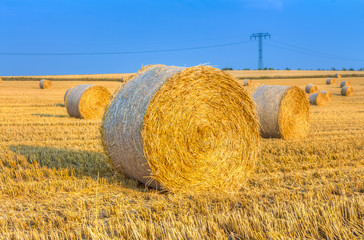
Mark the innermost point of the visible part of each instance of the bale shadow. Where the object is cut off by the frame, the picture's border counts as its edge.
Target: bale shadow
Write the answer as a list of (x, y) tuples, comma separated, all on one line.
[(49, 115), (60, 105), (80, 163), (336, 94)]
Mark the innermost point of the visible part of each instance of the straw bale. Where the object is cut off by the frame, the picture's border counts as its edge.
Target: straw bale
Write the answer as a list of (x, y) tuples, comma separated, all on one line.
[(345, 83), (338, 75), (87, 101), (283, 111), (190, 130), (45, 84), (310, 88), (347, 91), (330, 81), (318, 99), (65, 95), (247, 82), (1, 79), (327, 94)]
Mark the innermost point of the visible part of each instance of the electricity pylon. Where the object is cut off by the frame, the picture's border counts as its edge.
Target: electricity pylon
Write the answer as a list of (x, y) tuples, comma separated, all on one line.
[(260, 37)]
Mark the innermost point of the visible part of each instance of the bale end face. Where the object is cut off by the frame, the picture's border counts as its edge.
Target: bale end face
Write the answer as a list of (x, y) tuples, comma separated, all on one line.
[(45, 84), (310, 88), (347, 91), (327, 94)]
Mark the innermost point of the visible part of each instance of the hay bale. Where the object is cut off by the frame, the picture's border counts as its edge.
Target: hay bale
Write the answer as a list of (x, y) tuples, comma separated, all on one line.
[(318, 99), (247, 82), (338, 75), (1, 79), (347, 91), (87, 101), (330, 81), (283, 111), (45, 84), (187, 130), (310, 88), (327, 94), (345, 83), (66, 94)]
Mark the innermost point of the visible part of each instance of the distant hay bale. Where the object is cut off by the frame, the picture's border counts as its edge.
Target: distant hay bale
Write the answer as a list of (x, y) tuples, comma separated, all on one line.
[(338, 75), (345, 83), (327, 94), (1, 79), (310, 88), (45, 84), (65, 95), (318, 99), (330, 81), (87, 101), (347, 91), (247, 82), (190, 130), (283, 111)]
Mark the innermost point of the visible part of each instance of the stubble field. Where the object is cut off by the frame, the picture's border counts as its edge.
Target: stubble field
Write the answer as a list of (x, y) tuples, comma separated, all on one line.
[(56, 183)]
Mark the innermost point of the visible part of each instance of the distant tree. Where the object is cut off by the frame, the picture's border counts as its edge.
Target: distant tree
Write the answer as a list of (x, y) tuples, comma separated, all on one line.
[(344, 69), (299, 69), (318, 69), (333, 69), (270, 68), (246, 69), (265, 68), (351, 69), (287, 68), (227, 68), (361, 69)]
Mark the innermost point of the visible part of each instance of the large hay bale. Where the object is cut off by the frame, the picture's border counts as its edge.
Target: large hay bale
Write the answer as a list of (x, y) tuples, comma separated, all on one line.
[(186, 130), (330, 81), (45, 84), (87, 101), (247, 82), (283, 111), (310, 88), (338, 75), (345, 83), (66, 94), (327, 94), (318, 99), (347, 91)]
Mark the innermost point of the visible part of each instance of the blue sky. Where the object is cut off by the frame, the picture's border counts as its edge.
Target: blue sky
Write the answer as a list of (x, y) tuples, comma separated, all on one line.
[(307, 34)]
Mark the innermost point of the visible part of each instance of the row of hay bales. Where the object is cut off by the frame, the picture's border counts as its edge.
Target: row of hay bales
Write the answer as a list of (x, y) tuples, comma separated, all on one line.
[(190, 129)]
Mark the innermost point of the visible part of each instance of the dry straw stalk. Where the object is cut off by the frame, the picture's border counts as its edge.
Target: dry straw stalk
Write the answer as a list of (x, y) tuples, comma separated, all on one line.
[(347, 91), (45, 84), (190, 130), (327, 94), (330, 81), (310, 88), (345, 83), (247, 82), (283, 111), (87, 101), (318, 99)]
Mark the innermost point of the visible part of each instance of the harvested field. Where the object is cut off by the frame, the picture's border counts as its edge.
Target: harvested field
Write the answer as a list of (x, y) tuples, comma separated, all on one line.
[(56, 181)]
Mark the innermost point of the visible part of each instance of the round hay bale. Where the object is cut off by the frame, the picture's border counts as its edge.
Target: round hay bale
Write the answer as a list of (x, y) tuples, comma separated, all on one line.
[(283, 111), (65, 95), (87, 101), (318, 99), (327, 94), (310, 88), (338, 75), (1, 79), (347, 91), (345, 83), (330, 81), (45, 84), (188, 130), (247, 82)]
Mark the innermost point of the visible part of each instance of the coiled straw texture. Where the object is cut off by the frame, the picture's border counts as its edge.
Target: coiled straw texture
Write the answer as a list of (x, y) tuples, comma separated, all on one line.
[(87, 101), (347, 91), (191, 130), (283, 111)]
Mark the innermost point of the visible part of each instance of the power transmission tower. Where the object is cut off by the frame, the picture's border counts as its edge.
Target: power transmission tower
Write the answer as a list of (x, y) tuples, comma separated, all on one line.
[(260, 37)]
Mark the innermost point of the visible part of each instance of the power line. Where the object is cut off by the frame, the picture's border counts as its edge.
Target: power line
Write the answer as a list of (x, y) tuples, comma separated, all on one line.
[(302, 50), (120, 53)]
